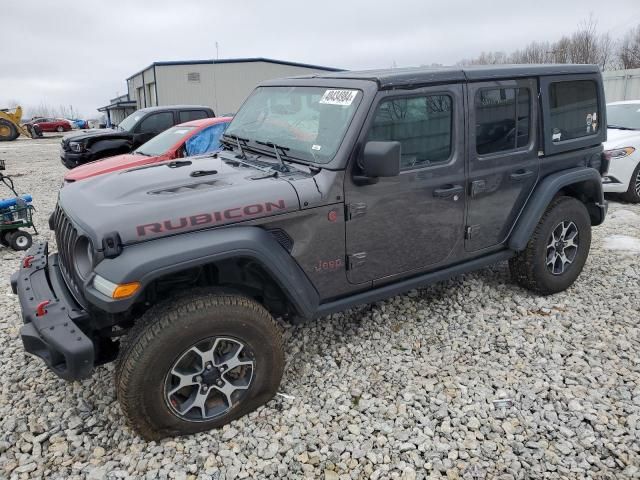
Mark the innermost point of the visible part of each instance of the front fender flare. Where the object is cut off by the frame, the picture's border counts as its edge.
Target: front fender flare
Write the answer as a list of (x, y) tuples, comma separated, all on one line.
[(109, 144), (587, 181), (147, 261)]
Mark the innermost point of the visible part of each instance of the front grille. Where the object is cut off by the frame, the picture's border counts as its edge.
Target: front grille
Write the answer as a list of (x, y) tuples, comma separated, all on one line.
[(66, 237)]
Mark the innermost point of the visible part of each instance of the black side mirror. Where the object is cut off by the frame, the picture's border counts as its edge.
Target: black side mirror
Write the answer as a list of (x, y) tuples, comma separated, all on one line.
[(379, 159)]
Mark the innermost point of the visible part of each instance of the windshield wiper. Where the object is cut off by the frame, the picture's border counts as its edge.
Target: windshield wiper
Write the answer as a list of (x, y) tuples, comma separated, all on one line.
[(618, 127), (232, 141), (283, 167), (138, 152)]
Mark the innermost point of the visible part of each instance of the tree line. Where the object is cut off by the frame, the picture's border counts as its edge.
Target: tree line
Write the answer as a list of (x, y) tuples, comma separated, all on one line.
[(585, 45)]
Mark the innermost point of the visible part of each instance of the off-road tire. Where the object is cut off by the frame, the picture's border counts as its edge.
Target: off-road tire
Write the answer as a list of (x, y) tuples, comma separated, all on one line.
[(8, 131), (5, 235), (166, 330), (529, 269), (632, 195), (19, 240)]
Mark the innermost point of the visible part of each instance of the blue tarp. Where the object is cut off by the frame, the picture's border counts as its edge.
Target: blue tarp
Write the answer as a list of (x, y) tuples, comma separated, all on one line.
[(10, 202), (208, 140)]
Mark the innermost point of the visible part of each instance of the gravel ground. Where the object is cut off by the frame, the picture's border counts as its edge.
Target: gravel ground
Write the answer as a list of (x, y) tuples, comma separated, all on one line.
[(472, 378)]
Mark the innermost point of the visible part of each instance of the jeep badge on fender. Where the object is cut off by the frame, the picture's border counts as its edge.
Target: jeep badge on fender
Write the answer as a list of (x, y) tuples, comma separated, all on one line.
[(331, 191)]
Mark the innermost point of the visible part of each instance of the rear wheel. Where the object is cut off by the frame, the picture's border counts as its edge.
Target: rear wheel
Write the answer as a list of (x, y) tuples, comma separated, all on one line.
[(197, 363), (633, 193), (5, 235), (20, 240), (557, 250), (8, 131)]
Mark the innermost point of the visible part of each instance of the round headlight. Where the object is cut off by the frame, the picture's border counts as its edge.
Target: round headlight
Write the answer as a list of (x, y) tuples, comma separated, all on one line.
[(76, 146), (83, 257)]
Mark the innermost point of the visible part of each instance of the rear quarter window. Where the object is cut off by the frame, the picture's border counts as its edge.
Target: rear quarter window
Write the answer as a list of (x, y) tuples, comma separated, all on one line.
[(188, 115), (573, 110)]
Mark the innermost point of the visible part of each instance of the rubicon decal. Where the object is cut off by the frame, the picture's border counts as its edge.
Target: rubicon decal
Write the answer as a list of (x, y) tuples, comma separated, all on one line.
[(211, 218)]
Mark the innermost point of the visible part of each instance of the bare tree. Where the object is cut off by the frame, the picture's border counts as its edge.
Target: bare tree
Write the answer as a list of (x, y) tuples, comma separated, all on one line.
[(607, 49), (629, 49), (585, 45), (584, 42), (10, 103)]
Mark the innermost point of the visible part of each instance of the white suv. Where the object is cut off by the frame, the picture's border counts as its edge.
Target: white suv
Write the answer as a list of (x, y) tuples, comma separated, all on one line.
[(623, 146)]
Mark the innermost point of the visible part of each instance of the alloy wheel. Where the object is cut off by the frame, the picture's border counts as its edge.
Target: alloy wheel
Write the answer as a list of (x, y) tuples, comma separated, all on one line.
[(562, 247), (209, 378)]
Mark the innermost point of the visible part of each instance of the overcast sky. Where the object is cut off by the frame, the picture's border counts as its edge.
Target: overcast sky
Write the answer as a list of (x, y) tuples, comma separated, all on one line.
[(80, 52)]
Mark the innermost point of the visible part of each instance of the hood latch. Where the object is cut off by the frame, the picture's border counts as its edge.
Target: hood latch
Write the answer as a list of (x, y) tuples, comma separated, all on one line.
[(111, 245)]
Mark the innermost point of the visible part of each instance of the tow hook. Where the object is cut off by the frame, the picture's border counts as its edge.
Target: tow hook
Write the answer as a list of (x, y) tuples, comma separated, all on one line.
[(40, 309), (26, 262)]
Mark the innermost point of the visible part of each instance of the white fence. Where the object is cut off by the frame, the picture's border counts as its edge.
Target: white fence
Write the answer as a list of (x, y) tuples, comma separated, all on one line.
[(622, 85)]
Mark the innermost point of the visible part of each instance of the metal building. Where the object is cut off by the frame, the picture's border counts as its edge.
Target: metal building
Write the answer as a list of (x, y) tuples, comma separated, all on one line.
[(118, 109), (220, 84)]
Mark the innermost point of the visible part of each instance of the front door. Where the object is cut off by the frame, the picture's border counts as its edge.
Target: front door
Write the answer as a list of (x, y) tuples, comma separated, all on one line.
[(402, 225), (502, 156)]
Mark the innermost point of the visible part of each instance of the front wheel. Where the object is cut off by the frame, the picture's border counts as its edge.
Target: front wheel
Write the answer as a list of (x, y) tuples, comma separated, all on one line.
[(60, 129), (557, 250), (197, 363), (8, 131), (633, 192)]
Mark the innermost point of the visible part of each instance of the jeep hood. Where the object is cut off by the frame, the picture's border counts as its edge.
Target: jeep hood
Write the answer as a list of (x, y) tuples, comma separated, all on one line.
[(617, 138), (174, 197)]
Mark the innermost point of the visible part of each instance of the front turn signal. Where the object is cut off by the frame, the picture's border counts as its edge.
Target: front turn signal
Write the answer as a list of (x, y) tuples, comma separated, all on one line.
[(125, 290), (116, 291)]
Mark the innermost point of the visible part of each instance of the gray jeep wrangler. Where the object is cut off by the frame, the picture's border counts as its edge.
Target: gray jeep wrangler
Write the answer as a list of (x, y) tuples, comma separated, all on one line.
[(332, 191)]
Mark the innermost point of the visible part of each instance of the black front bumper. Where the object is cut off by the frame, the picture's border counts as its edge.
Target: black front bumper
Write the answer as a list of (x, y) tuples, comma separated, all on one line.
[(72, 160), (51, 330)]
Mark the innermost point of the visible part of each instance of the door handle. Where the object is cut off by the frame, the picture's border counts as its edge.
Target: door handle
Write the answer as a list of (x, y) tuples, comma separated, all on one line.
[(448, 191), (520, 175)]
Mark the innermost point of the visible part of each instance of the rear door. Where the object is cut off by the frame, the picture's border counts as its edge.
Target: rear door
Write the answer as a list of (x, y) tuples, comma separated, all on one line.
[(152, 125), (46, 125), (502, 157), (409, 223)]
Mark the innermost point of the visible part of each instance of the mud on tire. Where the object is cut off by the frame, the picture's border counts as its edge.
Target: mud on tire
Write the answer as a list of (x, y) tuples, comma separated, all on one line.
[(539, 267), (187, 354)]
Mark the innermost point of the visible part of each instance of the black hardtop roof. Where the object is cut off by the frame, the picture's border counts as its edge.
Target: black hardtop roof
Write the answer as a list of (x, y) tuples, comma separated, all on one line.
[(173, 107), (403, 77)]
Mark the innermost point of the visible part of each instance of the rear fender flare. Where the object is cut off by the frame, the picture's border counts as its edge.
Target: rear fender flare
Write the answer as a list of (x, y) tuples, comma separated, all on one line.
[(146, 261), (585, 182)]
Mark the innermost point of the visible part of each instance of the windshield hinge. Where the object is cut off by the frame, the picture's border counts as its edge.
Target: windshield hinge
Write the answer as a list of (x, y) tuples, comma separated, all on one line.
[(111, 245), (356, 260), (470, 230), (354, 210)]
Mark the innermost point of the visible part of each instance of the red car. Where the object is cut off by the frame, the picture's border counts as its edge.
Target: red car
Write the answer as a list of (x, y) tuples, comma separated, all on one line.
[(51, 124), (190, 138)]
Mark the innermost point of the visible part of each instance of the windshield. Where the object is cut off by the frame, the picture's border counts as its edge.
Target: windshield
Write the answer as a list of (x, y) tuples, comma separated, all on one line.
[(159, 144), (309, 121), (624, 115), (128, 123)]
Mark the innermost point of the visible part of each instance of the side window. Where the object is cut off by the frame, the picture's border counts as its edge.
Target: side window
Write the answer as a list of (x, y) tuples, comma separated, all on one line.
[(188, 115), (503, 119), (423, 125), (156, 123), (573, 109)]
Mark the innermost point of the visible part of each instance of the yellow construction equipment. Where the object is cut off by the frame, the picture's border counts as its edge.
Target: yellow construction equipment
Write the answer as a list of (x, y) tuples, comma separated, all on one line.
[(11, 128)]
